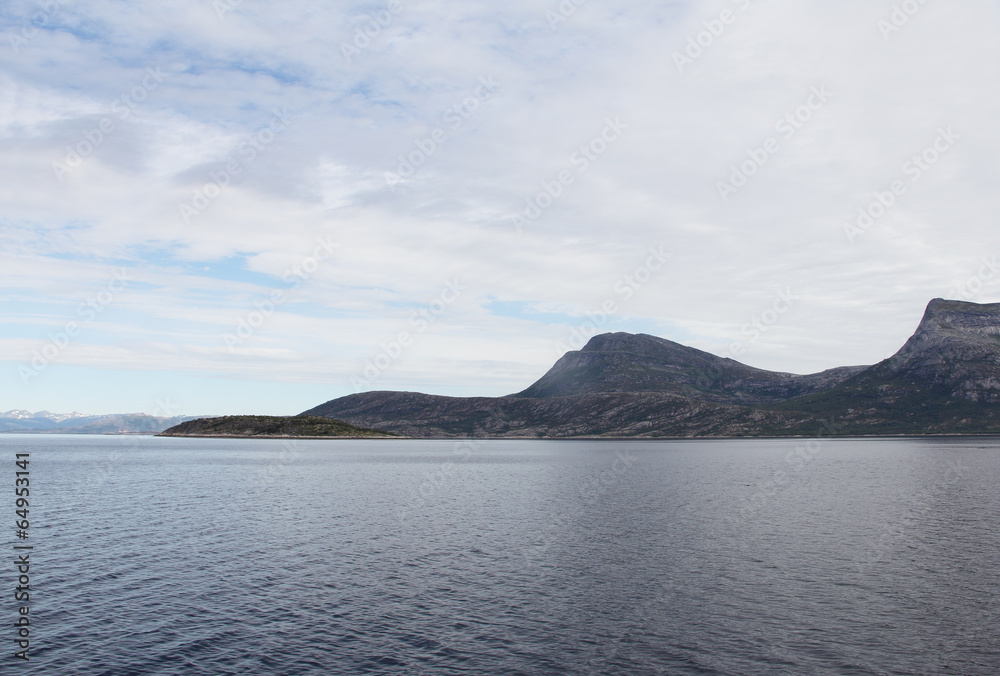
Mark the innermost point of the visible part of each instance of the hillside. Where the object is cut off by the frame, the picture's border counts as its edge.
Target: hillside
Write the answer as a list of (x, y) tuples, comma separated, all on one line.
[(264, 426), (944, 380), (623, 362)]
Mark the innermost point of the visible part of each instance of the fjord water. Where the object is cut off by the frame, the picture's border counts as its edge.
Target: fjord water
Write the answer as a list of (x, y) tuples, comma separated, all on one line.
[(208, 556)]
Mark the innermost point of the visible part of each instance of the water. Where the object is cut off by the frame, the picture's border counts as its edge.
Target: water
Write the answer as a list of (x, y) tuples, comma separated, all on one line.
[(195, 556)]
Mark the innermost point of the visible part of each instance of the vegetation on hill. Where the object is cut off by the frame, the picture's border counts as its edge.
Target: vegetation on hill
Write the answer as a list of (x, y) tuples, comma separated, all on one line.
[(267, 426)]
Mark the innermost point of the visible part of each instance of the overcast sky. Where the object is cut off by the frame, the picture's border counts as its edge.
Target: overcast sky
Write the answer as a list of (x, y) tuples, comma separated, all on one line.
[(253, 207)]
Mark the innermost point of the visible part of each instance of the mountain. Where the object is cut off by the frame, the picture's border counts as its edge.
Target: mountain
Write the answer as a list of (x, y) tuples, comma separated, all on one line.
[(27, 421), (605, 414), (623, 362), (955, 349), (43, 422), (945, 379)]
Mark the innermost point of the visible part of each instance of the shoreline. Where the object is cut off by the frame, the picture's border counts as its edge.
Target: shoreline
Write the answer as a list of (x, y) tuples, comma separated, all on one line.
[(263, 436), (985, 435), (616, 439)]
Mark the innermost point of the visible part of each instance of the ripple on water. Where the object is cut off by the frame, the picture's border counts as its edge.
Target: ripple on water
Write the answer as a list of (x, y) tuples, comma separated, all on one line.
[(225, 557)]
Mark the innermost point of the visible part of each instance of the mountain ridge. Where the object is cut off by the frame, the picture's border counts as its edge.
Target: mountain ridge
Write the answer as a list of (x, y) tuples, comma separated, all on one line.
[(20, 421), (624, 362), (944, 380)]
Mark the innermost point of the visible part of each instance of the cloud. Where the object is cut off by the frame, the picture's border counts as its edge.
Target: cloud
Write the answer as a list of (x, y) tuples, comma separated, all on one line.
[(413, 92)]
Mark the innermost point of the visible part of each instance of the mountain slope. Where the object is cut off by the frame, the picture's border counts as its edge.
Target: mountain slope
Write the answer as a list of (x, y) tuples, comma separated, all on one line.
[(601, 414), (623, 362), (955, 347), (945, 379)]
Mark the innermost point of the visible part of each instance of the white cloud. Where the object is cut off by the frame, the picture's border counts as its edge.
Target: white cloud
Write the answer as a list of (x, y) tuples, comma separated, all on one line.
[(350, 121)]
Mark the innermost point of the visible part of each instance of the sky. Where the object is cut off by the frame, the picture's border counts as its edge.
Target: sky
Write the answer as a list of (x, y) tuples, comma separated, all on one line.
[(235, 206)]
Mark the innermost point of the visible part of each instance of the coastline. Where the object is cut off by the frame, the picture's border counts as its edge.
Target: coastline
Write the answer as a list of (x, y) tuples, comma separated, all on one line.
[(593, 438)]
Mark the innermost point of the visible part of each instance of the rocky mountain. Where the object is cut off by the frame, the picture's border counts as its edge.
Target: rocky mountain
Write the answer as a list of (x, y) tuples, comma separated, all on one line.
[(43, 422), (623, 362), (956, 348), (26, 421), (604, 414), (945, 379)]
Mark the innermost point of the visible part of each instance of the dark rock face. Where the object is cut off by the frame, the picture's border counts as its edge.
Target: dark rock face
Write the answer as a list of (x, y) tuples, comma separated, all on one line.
[(604, 414), (956, 346), (945, 379)]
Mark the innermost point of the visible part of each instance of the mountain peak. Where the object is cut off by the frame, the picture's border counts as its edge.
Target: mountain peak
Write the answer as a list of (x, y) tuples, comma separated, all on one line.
[(956, 347), (950, 325), (621, 362), (960, 317), (638, 362), (638, 344), (606, 341)]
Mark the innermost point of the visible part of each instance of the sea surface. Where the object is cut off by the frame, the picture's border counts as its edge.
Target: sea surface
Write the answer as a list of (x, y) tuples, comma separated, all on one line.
[(207, 556)]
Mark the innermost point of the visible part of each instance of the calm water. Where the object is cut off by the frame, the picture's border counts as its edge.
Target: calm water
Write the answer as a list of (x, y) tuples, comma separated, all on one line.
[(177, 556)]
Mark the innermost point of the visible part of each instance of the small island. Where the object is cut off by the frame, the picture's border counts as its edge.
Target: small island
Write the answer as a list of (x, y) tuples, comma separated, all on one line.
[(272, 427)]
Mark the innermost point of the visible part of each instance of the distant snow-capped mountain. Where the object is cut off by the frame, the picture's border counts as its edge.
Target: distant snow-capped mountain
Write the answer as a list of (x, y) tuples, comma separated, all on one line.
[(21, 414), (45, 422)]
